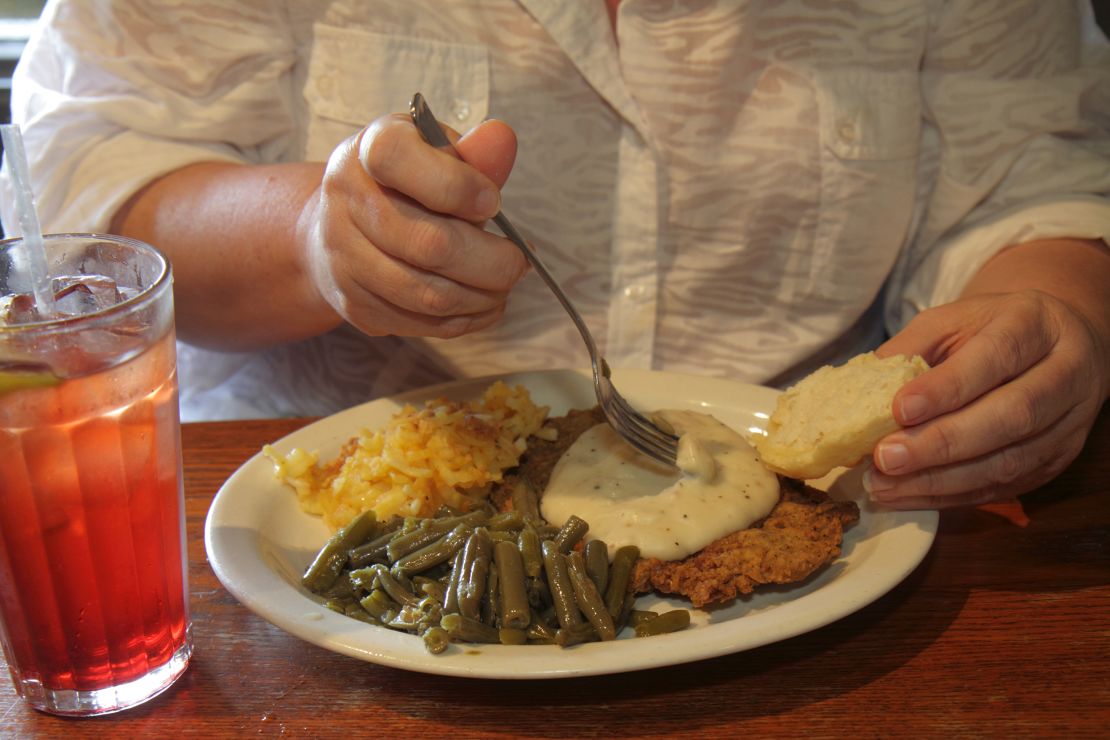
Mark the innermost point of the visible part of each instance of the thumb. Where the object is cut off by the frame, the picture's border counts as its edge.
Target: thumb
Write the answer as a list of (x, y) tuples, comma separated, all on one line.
[(490, 148)]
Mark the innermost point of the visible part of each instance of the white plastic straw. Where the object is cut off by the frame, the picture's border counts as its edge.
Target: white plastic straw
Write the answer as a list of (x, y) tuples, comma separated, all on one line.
[(35, 274)]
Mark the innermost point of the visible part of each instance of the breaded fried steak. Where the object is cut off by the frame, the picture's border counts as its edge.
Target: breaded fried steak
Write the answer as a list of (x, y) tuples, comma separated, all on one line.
[(802, 533)]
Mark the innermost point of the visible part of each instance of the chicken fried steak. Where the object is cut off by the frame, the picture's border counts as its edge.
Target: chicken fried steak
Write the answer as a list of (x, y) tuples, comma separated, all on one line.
[(802, 533)]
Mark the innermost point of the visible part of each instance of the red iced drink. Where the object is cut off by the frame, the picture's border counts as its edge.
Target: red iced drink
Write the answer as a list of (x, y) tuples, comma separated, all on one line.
[(93, 597)]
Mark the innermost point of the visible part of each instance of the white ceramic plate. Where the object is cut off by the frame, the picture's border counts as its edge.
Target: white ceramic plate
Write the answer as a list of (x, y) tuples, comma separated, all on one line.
[(259, 542)]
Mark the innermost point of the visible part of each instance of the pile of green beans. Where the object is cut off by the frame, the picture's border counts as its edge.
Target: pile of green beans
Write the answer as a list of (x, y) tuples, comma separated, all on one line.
[(484, 577)]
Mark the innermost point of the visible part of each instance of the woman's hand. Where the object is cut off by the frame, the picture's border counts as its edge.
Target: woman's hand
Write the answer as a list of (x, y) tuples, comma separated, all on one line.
[(1017, 381), (393, 238)]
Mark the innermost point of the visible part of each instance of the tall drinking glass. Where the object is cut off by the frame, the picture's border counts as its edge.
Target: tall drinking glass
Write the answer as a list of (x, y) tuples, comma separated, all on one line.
[(93, 592)]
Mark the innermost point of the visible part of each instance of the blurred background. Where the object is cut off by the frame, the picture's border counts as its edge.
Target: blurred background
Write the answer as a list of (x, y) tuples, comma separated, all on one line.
[(17, 19)]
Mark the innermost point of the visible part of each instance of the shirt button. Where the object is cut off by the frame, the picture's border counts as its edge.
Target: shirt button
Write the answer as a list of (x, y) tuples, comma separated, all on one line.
[(460, 110), (634, 291)]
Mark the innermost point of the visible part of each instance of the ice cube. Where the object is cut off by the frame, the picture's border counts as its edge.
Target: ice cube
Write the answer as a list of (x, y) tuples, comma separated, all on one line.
[(17, 308), (82, 294)]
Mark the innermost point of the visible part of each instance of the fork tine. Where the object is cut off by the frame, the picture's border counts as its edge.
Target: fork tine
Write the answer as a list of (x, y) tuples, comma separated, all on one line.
[(640, 431), (651, 446), (642, 422)]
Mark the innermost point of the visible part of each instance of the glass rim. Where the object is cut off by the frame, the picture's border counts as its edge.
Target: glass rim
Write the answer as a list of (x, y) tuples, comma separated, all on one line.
[(104, 315)]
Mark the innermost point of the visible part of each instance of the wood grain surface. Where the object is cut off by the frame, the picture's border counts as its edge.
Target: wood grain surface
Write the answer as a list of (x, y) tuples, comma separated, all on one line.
[(1002, 631)]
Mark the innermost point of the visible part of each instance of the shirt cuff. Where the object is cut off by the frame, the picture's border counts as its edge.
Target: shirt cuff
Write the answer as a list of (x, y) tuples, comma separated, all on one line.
[(943, 274)]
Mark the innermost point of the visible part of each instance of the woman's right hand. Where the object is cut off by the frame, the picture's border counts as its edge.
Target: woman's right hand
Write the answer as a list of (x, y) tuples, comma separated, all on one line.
[(393, 237)]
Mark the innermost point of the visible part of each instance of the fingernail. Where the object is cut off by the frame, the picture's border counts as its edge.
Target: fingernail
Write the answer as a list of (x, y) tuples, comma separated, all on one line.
[(488, 201), (913, 408), (876, 483), (892, 457)]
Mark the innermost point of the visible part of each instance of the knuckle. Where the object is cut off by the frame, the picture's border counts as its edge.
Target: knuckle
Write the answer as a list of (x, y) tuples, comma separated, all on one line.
[(380, 147), (1063, 456), (944, 442), (460, 325), (453, 329), (1007, 351), (1023, 412), (429, 244), (1008, 465), (436, 301), (925, 484)]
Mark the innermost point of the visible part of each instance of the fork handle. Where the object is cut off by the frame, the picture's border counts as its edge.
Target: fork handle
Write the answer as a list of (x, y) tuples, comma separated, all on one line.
[(426, 123)]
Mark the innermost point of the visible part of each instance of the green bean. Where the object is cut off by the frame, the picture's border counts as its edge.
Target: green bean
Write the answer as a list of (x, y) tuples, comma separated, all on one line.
[(506, 520), (363, 579), (558, 581), (620, 573), (503, 535), (589, 600), (371, 552), (418, 617), (428, 532), (465, 629), (626, 609), (355, 611), (514, 611), (539, 630), (525, 500), (567, 636), (341, 588), (528, 542), (539, 595), (436, 640), (333, 556), (672, 621), (378, 603), (451, 592), (336, 605), (512, 636), (547, 531), (489, 613), (597, 563), (637, 616), (392, 586), (471, 588), (404, 621), (434, 553), (431, 587), (570, 533)]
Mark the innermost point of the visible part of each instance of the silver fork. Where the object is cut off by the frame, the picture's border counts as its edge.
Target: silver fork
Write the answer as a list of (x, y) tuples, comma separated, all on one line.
[(638, 430)]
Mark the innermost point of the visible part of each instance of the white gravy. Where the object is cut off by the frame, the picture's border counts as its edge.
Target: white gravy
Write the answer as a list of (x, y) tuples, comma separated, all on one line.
[(628, 499)]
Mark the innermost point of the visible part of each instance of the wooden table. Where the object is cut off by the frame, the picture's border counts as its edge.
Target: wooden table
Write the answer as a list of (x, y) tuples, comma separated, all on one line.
[(1003, 630)]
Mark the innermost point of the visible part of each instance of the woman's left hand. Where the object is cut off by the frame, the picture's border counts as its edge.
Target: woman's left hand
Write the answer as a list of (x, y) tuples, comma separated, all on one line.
[(1016, 383)]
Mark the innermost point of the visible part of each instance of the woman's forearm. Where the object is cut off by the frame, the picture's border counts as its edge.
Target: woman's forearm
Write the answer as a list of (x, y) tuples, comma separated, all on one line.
[(240, 278)]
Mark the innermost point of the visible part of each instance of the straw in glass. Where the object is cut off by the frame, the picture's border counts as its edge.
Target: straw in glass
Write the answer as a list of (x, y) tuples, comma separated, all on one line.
[(32, 269)]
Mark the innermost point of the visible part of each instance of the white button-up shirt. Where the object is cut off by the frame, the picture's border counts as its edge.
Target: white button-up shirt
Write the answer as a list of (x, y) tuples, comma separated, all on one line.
[(724, 188)]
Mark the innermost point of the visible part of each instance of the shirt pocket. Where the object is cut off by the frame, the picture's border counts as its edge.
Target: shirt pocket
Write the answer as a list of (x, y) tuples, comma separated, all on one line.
[(870, 129), (354, 76)]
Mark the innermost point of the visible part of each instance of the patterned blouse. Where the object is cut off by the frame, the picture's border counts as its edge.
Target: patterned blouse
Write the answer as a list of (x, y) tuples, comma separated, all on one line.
[(734, 188)]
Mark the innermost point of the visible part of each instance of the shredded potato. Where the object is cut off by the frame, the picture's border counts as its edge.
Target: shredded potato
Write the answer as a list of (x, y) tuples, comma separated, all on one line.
[(446, 453)]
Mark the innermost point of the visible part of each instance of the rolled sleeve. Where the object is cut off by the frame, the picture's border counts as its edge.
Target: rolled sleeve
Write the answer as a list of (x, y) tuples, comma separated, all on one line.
[(109, 101), (945, 272), (1018, 103)]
